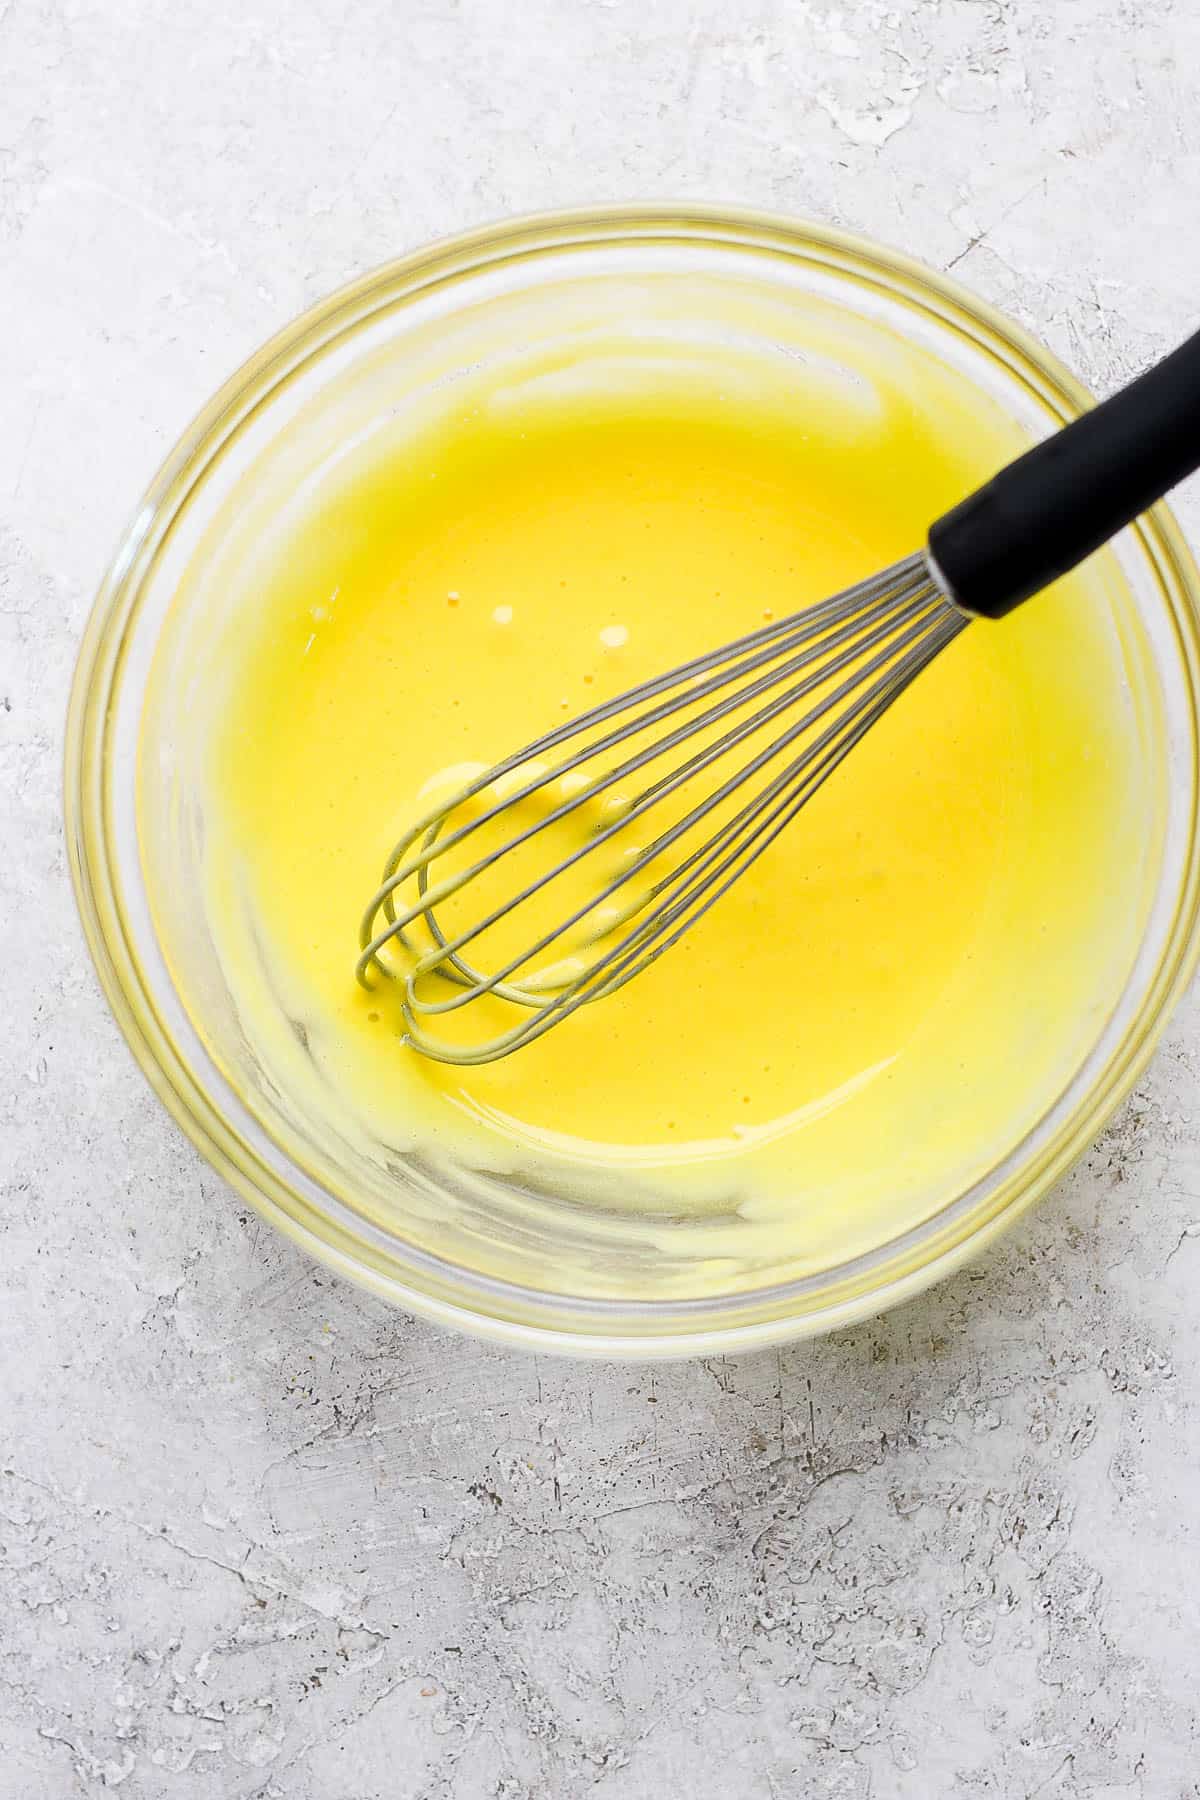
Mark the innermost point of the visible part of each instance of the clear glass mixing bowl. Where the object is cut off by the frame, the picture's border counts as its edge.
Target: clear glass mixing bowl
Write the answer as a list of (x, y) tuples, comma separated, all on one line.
[(418, 321)]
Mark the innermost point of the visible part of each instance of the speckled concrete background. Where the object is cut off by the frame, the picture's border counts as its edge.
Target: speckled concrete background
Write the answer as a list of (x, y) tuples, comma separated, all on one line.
[(261, 1539)]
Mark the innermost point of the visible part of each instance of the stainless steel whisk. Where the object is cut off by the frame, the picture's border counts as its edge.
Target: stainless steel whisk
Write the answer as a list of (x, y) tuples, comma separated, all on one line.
[(797, 695)]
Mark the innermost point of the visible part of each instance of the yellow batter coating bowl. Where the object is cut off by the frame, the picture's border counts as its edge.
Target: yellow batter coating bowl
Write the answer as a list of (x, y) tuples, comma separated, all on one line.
[(550, 1249)]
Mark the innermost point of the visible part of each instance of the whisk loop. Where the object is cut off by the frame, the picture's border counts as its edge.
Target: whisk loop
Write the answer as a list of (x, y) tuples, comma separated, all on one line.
[(796, 694)]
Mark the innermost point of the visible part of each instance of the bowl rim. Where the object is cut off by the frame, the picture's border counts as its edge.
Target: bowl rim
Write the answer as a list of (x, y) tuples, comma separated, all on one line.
[(604, 1327)]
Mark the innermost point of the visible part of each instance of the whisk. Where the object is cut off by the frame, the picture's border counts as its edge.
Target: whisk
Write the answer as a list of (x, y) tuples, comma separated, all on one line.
[(674, 788)]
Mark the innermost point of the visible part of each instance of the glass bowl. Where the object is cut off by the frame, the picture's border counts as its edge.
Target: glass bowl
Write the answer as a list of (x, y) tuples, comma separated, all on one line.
[(421, 319)]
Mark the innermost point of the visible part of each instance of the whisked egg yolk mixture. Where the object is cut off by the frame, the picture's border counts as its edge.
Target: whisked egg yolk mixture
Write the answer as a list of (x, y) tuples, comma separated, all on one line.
[(892, 995)]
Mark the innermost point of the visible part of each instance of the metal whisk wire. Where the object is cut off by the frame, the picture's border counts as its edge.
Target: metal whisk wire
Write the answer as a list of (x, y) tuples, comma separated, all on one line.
[(856, 652)]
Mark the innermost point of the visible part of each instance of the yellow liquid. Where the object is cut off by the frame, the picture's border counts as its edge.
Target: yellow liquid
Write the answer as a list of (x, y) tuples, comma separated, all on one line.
[(886, 1002)]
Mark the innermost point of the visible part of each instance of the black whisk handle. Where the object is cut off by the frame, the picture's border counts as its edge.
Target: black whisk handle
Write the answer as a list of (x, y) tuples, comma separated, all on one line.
[(1045, 512)]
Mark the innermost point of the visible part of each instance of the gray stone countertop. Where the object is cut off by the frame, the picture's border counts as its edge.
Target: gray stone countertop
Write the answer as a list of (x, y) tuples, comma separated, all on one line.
[(260, 1537)]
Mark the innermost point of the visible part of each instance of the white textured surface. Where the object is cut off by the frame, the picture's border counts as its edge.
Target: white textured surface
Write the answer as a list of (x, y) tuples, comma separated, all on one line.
[(258, 1536)]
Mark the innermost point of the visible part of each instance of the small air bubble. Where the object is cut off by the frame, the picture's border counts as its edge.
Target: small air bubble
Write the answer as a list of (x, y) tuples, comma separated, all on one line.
[(453, 597), (503, 615)]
